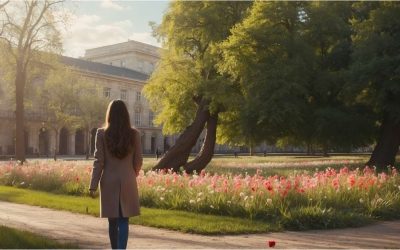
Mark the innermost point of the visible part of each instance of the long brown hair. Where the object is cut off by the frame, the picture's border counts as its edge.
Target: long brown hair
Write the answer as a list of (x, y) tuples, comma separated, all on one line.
[(118, 130)]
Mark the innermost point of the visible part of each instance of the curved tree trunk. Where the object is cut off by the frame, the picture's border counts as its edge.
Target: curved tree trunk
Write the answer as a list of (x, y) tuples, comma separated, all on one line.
[(385, 151), (178, 154), (207, 150)]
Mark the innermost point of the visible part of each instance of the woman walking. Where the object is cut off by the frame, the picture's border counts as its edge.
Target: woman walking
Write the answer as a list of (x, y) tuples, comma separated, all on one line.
[(118, 160)]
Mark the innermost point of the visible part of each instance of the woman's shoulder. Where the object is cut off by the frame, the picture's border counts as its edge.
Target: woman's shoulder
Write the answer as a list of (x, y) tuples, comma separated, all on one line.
[(135, 131), (100, 131)]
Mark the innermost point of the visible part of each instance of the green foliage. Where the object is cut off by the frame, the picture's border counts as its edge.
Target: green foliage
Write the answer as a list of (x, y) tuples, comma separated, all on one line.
[(290, 59), (186, 72), (375, 70), (58, 96), (71, 100), (268, 58)]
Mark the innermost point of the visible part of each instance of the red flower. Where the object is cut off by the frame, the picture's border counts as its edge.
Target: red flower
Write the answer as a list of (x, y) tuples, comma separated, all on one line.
[(271, 243)]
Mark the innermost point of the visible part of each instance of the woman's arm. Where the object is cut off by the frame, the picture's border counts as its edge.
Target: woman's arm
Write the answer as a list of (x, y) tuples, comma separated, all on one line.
[(98, 164)]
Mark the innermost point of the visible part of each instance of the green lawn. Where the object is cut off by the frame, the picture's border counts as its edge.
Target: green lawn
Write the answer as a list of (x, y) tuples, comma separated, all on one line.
[(17, 239), (169, 219)]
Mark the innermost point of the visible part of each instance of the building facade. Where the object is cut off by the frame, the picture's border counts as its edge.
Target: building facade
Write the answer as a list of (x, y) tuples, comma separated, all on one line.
[(121, 71)]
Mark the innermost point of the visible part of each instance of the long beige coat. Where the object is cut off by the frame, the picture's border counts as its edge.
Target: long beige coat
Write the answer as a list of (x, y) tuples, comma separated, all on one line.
[(117, 178)]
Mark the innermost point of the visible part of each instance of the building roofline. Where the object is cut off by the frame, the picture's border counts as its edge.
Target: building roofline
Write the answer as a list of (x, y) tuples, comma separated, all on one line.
[(104, 69)]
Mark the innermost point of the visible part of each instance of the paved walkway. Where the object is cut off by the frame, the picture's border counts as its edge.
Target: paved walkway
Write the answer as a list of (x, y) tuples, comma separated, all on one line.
[(91, 232)]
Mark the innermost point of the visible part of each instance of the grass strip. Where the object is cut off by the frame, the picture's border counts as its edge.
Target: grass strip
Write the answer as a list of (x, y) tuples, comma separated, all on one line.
[(168, 219), (17, 239)]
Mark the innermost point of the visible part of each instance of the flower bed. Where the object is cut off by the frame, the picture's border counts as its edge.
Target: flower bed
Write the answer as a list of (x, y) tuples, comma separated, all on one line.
[(299, 197)]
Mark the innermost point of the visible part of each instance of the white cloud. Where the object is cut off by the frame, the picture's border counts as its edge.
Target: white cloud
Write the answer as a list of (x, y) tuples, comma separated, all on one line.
[(109, 4), (88, 31)]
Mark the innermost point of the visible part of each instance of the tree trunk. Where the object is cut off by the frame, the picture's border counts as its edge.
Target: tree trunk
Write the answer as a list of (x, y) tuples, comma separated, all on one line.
[(207, 150), (308, 148), (325, 150), (385, 151), (178, 154), (56, 145), (251, 150), (19, 116)]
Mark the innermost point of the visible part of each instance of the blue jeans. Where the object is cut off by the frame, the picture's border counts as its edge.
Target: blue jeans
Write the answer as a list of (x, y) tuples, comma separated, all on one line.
[(118, 230)]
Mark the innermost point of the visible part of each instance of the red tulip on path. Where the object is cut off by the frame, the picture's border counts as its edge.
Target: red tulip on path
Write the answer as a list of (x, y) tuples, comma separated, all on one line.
[(271, 243)]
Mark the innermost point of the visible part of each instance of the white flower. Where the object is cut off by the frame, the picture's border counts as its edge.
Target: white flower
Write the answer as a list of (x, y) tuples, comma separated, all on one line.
[(211, 192), (241, 194), (192, 201), (211, 206), (229, 202), (200, 194), (198, 199), (269, 201), (162, 198), (22, 183), (361, 200), (246, 197)]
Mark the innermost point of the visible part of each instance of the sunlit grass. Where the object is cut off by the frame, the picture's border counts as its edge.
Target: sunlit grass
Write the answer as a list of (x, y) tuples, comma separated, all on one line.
[(18, 239), (169, 219)]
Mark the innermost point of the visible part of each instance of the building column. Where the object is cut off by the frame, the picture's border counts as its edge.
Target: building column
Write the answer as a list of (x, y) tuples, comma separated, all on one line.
[(71, 143), (52, 142), (2, 140), (33, 132), (147, 142), (160, 141)]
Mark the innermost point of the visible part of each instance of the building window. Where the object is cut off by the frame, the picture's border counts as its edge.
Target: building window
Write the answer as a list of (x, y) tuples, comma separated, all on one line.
[(107, 92), (138, 96), (137, 118), (124, 94), (151, 118)]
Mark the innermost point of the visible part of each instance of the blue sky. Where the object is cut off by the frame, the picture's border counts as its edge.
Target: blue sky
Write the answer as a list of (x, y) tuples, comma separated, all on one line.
[(103, 22)]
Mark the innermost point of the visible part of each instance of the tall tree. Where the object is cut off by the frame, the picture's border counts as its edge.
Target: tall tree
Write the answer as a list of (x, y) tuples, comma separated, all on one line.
[(289, 58), (90, 106), (327, 31), (376, 73), (58, 97), (186, 91), (267, 54), (29, 29)]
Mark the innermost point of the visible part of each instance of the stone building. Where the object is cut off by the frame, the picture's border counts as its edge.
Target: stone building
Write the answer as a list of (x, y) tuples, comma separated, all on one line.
[(122, 71)]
